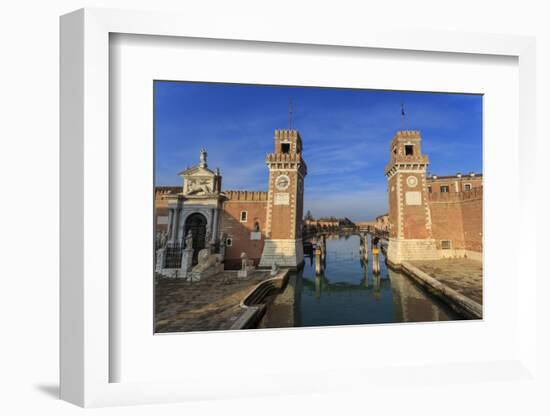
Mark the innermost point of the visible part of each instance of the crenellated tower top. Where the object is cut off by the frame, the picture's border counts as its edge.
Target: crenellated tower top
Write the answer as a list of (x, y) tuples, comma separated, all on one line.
[(406, 151), (288, 152), (288, 141)]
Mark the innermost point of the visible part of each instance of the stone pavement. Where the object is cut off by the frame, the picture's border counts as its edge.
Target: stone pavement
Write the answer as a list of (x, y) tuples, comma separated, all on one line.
[(463, 275), (210, 304)]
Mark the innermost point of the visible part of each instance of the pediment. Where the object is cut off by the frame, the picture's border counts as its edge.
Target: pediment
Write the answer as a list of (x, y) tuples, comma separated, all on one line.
[(197, 171)]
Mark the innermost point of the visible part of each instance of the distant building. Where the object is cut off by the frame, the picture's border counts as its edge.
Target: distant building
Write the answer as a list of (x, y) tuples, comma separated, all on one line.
[(382, 222), (365, 225), (430, 217), (326, 224)]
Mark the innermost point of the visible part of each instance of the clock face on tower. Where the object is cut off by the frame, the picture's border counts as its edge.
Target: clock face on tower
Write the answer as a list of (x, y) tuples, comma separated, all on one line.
[(282, 182), (412, 181)]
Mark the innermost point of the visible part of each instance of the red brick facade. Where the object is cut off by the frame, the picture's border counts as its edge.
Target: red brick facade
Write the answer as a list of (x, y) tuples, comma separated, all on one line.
[(458, 217), (407, 193), (285, 218), (241, 233)]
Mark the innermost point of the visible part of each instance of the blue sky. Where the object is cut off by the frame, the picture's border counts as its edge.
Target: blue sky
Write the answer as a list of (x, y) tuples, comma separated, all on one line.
[(345, 133)]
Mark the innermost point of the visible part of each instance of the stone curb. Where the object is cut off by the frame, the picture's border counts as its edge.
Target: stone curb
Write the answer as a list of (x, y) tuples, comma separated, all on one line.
[(459, 302), (253, 313)]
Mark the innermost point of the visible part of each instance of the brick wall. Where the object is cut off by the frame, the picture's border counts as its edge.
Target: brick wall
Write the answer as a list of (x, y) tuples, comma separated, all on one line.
[(447, 222), (286, 219), (414, 222), (458, 216), (255, 205), (472, 217), (246, 195)]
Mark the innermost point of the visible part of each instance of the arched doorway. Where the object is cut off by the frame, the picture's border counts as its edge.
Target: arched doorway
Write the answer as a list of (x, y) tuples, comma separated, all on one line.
[(196, 223)]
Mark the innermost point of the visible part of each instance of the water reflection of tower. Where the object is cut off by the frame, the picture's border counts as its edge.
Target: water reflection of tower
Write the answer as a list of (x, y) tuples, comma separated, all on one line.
[(285, 309), (298, 286), (409, 302), (400, 297)]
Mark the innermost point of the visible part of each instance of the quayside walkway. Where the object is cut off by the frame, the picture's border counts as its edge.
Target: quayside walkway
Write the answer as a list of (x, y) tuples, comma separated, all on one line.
[(463, 275), (206, 305)]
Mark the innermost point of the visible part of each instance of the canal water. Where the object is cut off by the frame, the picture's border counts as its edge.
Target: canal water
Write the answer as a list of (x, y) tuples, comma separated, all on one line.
[(348, 293)]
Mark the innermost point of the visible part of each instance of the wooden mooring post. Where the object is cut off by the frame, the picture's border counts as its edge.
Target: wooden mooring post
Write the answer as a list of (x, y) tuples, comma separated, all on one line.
[(318, 260), (366, 247), (375, 256)]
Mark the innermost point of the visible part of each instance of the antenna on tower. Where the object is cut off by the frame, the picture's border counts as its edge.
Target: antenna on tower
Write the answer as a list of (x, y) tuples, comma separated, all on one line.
[(402, 117), (290, 114)]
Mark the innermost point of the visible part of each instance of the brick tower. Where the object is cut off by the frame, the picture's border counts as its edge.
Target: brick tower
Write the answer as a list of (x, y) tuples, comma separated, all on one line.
[(285, 203), (409, 212)]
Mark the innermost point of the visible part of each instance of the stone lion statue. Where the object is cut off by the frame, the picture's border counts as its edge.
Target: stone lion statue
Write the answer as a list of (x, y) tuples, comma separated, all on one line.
[(206, 260)]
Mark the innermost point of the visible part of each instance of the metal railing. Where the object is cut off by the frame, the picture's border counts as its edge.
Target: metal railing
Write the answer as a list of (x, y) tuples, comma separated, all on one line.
[(173, 255)]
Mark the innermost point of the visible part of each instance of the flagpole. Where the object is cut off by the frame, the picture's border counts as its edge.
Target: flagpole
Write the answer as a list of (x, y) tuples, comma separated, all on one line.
[(290, 114)]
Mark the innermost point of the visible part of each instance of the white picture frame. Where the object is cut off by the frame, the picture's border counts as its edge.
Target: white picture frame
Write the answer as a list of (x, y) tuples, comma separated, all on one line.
[(85, 211)]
